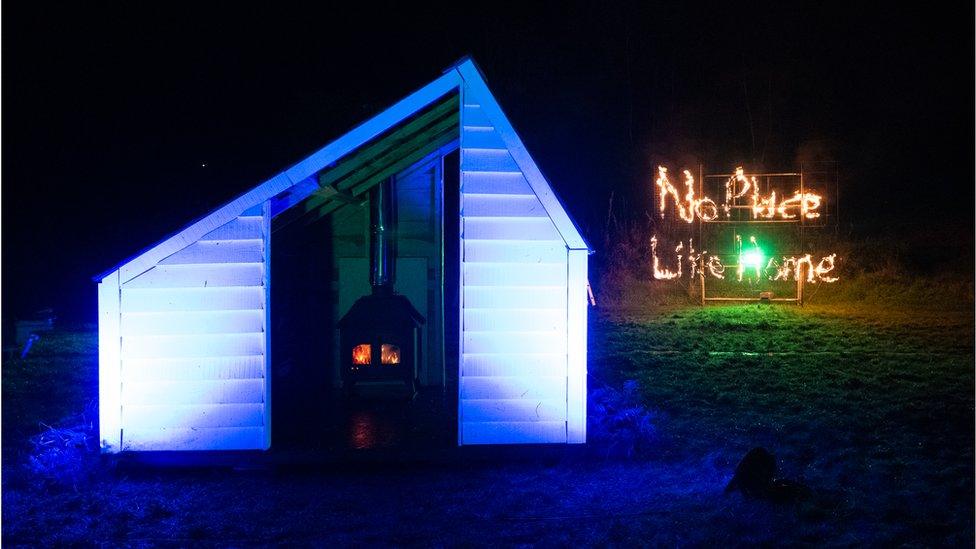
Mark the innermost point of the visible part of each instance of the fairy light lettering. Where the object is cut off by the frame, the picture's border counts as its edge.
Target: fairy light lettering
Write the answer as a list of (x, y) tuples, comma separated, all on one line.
[(689, 207), (750, 262)]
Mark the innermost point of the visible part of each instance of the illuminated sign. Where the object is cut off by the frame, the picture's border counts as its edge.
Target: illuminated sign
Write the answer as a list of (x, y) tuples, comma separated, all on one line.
[(738, 186), (752, 264), (743, 202)]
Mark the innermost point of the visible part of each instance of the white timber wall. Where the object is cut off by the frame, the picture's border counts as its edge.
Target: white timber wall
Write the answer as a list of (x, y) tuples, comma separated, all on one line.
[(194, 348), (514, 379)]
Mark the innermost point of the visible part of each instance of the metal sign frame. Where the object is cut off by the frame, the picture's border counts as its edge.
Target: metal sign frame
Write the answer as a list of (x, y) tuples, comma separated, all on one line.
[(824, 173)]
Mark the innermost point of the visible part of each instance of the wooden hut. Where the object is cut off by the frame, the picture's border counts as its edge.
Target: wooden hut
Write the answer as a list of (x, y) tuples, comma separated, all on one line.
[(185, 327)]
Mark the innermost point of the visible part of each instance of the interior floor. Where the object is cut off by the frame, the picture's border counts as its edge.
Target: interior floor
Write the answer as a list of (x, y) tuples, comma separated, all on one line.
[(375, 418)]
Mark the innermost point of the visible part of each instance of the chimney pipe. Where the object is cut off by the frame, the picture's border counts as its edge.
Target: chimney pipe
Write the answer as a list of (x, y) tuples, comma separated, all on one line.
[(382, 241)]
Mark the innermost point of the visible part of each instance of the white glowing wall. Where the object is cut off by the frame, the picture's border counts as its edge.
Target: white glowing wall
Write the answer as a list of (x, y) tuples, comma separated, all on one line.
[(193, 348), (523, 299)]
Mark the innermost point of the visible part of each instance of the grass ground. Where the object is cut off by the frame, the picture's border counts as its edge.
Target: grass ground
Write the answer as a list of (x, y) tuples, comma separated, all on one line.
[(871, 407)]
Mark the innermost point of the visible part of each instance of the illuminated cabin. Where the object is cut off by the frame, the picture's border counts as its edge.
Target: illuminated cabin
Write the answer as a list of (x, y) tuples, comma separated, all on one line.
[(192, 331)]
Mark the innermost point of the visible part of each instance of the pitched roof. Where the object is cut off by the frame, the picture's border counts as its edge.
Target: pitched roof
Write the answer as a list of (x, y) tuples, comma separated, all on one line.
[(301, 177)]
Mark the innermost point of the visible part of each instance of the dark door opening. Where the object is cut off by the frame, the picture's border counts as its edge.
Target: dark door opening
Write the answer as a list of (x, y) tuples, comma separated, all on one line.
[(312, 263)]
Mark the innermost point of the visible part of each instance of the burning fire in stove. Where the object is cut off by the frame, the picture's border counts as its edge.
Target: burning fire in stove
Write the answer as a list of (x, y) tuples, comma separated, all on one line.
[(389, 354), (362, 354)]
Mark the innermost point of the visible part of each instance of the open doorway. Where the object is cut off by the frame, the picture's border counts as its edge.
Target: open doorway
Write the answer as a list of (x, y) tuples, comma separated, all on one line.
[(321, 268)]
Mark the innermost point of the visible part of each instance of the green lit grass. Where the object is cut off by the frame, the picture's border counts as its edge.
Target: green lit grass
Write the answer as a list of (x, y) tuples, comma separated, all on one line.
[(873, 408)]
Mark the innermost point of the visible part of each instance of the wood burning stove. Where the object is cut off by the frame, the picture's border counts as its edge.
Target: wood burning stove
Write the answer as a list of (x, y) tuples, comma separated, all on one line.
[(379, 338)]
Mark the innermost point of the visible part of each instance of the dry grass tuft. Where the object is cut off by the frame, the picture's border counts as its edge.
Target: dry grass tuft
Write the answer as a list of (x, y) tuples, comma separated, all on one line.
[(65, 454)]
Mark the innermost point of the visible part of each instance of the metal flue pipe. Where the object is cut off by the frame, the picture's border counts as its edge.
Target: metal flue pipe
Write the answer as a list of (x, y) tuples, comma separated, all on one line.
[(382, 239)]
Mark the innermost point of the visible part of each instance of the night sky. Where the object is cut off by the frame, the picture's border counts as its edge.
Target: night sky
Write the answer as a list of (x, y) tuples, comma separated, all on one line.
[(121, 126)]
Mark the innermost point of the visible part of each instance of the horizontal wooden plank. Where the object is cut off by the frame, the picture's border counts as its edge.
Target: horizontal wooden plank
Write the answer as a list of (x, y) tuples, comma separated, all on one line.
[(192, 345), (224, 391), (510, 297), (508, 320), (192, 322), (513, 432), (510, 228), (487, 160), (502, 251), (241, 228), (514, 387), (191, 299), (473, 115), (218, 251), (520, 274), (502, 205), (194, 368), (489, 409), (512, 364), (197, 416), (514, 342), (172, 438), (199, 275), (481, 137), (495, 183), (499, 432)]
